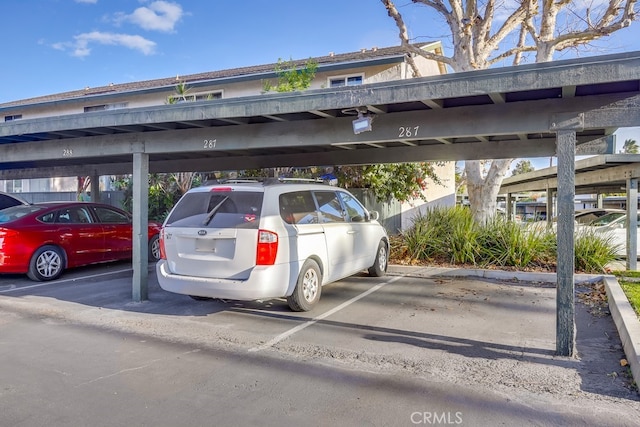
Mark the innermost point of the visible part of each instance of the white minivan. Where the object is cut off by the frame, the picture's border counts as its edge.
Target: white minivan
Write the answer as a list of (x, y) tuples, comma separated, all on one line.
[(272, 239)]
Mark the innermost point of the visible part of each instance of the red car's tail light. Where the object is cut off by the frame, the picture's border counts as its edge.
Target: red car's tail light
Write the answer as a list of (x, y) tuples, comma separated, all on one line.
[(163, 253), (7, 233), (267, 247), (222, 189)]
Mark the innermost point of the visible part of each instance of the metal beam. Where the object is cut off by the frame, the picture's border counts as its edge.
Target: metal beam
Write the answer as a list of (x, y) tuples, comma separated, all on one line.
[(589, 179), (347, 155), (361, 156), (526, 117)]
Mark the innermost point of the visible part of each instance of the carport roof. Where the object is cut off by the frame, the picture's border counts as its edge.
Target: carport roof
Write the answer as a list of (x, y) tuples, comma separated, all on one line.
[(593, 175), (497, 113)]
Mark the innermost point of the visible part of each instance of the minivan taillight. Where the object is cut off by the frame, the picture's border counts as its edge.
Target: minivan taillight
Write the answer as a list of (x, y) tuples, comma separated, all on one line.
[(163, 253), (267, 247)]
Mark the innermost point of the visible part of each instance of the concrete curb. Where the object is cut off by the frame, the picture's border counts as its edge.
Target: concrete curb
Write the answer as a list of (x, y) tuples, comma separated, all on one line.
[(626, 322), (517, 276), (625, 319)]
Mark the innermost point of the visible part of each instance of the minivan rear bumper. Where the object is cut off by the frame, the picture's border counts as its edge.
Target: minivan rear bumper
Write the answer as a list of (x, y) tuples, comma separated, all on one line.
[(263, 283)]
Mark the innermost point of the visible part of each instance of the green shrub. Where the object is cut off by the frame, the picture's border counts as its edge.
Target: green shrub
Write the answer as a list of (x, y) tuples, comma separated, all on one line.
[(451, 235), (593, 251), (444, 234), (506, 243)]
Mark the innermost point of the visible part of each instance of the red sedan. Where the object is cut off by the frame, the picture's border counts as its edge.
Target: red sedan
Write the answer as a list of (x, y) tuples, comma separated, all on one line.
[(44, 239)]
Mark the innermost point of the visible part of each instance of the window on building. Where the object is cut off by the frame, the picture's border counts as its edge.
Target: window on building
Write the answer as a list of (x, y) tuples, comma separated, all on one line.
[(14, 186), (346, 81), (208, 96), (12, 118), (105, 107), (204, 96)]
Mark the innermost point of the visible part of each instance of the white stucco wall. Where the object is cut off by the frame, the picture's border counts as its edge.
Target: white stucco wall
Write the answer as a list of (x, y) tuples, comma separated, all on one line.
[(436, 195)]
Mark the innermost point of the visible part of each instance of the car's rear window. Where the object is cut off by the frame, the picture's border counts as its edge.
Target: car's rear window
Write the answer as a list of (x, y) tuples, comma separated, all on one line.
[(16, 212), (217, 209), (606, 219), (7, 201)]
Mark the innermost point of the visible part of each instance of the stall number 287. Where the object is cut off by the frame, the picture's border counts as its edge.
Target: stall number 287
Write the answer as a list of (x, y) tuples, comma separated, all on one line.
[(408, 131)]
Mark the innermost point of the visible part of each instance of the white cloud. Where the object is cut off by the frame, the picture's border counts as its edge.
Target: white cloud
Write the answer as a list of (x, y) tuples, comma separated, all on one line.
[(81, 46), (158, 16)]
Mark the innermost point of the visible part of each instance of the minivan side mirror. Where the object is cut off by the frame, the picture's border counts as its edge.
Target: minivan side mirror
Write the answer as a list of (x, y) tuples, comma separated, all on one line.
[(374, 215)]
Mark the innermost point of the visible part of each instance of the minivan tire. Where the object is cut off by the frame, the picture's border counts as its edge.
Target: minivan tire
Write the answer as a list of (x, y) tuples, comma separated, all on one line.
[(306, 294), (379, 267)]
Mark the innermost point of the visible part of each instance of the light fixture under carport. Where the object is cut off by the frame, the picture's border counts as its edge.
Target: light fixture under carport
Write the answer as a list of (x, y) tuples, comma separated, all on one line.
[(364, 120)]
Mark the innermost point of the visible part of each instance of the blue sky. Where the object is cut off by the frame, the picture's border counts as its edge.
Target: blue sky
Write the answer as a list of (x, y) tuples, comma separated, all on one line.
[(53, 46)]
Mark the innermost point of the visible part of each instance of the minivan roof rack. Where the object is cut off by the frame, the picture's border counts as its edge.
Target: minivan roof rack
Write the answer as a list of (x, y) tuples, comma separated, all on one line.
[(272, 181), (242, 180), (266, 181)]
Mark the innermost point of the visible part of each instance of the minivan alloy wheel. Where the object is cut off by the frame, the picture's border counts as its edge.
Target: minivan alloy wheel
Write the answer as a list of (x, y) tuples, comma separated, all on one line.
[(310, 285), (379, 267)]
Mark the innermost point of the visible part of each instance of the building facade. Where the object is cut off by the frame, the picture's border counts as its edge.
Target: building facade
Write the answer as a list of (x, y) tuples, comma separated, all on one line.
[(334, 70)]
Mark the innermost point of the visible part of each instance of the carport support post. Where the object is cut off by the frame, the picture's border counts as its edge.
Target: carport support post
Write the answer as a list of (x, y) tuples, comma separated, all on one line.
[(632, 224), (565, 304), (140, 231), (550, 212), (95, 188)]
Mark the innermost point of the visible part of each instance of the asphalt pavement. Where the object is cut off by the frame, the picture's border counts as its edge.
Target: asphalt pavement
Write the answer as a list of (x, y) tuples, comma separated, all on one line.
[(421, 346)]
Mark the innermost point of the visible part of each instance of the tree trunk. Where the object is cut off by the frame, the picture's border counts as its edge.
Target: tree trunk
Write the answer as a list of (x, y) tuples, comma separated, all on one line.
[(483, 189)]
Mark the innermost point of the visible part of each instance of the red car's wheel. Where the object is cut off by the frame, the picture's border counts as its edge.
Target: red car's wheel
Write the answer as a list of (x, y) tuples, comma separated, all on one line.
[(47, 263), (154, 249)]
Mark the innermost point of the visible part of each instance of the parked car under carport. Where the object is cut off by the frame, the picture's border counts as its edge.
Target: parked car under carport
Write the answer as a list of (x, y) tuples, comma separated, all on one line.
[(8, 200), (43, 239)]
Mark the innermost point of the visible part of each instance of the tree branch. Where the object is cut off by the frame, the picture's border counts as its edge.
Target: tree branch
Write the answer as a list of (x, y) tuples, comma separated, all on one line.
[(511, 52), (606, 25), (404, 34), (404, 38), (510, 24)]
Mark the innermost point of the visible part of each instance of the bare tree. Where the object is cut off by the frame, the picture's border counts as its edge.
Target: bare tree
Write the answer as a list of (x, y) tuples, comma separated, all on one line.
[(490, 32)]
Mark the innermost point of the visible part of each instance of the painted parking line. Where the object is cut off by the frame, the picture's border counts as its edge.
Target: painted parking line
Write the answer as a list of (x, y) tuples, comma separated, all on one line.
[(57, 282), (324, 315)]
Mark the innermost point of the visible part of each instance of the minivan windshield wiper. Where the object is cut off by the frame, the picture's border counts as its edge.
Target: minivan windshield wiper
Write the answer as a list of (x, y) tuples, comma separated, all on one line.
[(213, 211)]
